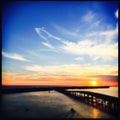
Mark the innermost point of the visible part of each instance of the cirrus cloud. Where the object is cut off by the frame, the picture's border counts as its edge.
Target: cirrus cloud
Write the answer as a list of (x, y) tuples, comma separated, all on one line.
[(14, 56)]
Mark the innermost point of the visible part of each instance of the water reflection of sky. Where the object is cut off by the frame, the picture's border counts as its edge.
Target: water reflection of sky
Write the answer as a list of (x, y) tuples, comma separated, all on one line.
[(47, 105)]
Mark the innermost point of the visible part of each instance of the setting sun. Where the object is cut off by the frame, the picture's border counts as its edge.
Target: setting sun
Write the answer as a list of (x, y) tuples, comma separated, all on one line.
[(94, 82)]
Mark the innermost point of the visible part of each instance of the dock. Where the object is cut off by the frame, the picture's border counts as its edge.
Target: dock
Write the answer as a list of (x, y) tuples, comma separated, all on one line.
[(106, 103)]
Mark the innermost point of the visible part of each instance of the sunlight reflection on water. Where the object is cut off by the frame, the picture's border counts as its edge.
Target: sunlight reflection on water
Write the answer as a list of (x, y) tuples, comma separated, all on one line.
[(95, 113), (46, 104)]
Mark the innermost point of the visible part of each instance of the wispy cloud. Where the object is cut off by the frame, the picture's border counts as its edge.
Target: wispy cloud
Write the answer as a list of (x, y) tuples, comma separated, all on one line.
[(51, 35), (103, 47), (41, 31), (95, 24), (38, 31), (45, 35), (110, 34), (96, 43), (14, 56), (116, 13), (74, 69), (88, 46), (79, 58), (47, 45), (91, 49), (65, 31), (95, 58), (88, 17)]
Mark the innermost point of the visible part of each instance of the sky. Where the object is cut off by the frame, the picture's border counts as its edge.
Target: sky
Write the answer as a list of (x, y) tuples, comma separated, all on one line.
[(60, 43)]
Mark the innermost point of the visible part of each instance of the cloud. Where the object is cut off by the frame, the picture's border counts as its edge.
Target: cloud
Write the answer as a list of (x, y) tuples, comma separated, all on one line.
[(116, 13), (92, 49), (38, 31), (45, 35), (51, 36), (65, 31), (88, 17), (109, 35), (78, 58), (95, 58), (54, 79), (41, 31), (95, 24), (74, 69), (47, 45), (99, 44), (103, 47), (14, 56)]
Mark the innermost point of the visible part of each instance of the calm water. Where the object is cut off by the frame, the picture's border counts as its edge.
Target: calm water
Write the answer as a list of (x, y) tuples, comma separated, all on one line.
[(112, 91), (46, 104)]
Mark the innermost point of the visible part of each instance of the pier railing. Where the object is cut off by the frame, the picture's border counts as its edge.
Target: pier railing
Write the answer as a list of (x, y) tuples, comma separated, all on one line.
[(103, 102)]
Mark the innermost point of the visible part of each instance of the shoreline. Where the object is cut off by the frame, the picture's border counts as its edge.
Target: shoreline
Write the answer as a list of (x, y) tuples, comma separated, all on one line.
[(19, 89)]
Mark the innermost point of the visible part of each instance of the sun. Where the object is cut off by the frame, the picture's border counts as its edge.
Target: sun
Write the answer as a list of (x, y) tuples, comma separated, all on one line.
[(94, 82)]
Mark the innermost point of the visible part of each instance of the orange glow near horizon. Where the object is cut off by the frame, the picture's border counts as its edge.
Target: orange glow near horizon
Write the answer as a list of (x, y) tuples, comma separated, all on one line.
[(55, 80)]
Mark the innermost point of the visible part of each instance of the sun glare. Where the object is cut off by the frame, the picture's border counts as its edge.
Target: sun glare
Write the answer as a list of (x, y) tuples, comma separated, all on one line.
[(94, 82)]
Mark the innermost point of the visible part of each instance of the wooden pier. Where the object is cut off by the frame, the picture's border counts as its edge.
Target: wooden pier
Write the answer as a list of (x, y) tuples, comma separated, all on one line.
[(104, 102)]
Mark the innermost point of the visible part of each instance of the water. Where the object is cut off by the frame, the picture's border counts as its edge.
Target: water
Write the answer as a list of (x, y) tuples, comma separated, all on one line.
[(112, 91), (45, 104)]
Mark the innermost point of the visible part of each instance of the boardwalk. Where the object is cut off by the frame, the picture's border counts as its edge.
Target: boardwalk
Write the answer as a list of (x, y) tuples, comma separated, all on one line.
[(104, 102)]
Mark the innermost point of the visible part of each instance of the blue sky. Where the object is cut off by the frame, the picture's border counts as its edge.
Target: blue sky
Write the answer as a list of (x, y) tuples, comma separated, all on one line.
[(38, 37)]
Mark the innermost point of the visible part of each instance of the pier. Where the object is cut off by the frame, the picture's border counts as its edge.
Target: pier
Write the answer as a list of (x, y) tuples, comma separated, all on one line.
[(83, 102), (19, 89), (104, 102)]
